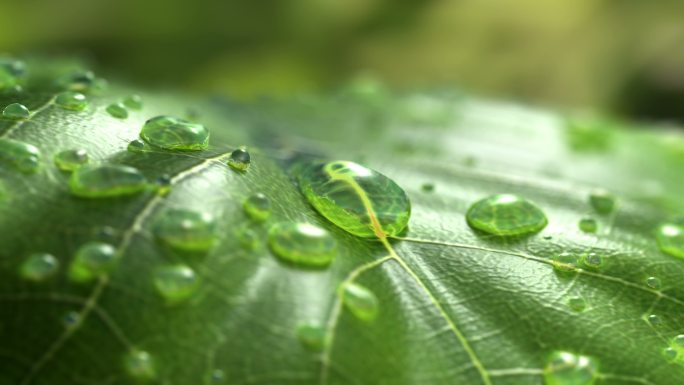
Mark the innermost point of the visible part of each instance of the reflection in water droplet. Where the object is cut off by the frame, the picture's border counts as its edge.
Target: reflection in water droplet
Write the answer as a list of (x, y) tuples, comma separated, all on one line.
[(22, 156), (186, 230), (117, 110), (16, 111), (360, 301), (506, 215), (257, 207), (70, 160), (73, 101), (565, 368), (176, 283), (602, 201), (172, 133), (139, 364), (39, 267), (239, 159), (302, 244), (670, 238), (588, 225), (105, 181), (92, 260)]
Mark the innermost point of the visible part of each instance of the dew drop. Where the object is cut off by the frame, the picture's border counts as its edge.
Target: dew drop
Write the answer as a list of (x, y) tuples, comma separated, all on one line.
[(344, 192), (77, 81), (73, 101), (506, 215), (577, 304), (22, 156), (186, 230), (239, 159), (105, 181), (39, 267), (670, 238), (654, 283), (71, 319), (91, 260), (16, 111), (176, 283), (564, 262), (654, 320), (311, 335), (257, 207), (360, 301), (302, 244), (139, 364), (588, 225), (172, 133), (247, 237), (138, 145), (565, 368), (117, 110), (134, 102), (70, 160), (670, 354), (602, 201), (678, 342), (592, 260)]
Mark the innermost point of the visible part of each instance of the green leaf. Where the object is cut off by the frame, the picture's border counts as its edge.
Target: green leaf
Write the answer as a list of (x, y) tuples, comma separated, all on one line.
[(440, 303)]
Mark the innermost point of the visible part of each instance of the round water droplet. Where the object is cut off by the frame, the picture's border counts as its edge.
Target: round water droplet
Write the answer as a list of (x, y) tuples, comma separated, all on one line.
[(176, 283), (592, 260), (138, 145), (311, 335), (70, 160), (357, 199), (77, 81), (602, 201), (172, 133), (139, 364), (117, 110), (654, 320), (239, 159), (588, 225), (92, 260), (107, 180), (302, 244), (134, 102), (670, 354), (22, 156), (186, 230), (247, 237), (73, 101), (654, 283), (565, 368), (670, 238), (428, 187), (360, 301), (16, 111), (564, 262), (678, 342), (577, 304), (39, 267), (257, 207), (506, 215), (71, 319)]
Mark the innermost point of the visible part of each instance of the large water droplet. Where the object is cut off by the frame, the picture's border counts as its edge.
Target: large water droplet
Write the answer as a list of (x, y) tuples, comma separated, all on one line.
[(357, 199), (70, 160), (71, 319), (176, 283), (311, 335), (602, 201), (139, 364), (172, 133), (302, 244), (104, 181), (257, 207), (565, 368), (670, 238), (92, 260), (239, 159), (506, 215), (22, 156), (117, 110), (134, 102), (16, 111), (360, 301), (39, 267), (588, 225), (73, 101), (186, 230)]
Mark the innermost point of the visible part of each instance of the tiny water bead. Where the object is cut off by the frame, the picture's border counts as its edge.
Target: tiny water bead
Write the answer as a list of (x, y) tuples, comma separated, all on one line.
[(139, 364), (654, 283), (356, 199), (39, 267), (16, 111), (138, 145), (360, 301), (678, 342), (117, 110), (22, 156), (506, 215), (247, 237), (217, 376), (71, 319), (239, 159), (588, 225), (670, 239), (73, 101), (602, 201), (70, 160), (176, 283), (77, 81), (91, 260), (577, 304), (654, 320), (257, 207), (564, 262), (172, 133), (134, 102), (670, 354), (311, 335), (565, 368), (428, 187), (186, 230), (106, 181), (302, 244), (592, 260)]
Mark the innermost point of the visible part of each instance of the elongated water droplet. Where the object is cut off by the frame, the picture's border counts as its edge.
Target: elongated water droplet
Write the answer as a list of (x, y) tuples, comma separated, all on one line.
[(564, 262), (16, 111), (73, 101), (565, 368), (117, 110), (22, 156), (134, 102), (186, 230), (172, 133), (70, 160), (105, 181), (176, 283), (602, 201), (239, 159), (360, 301), (357, 199), (588, 225), (39, 267), (311, 335), (302, 244), (257, 207), (506, 215), (139, 364), (670, 238), (91, 260), (577, 304), (654, 283)]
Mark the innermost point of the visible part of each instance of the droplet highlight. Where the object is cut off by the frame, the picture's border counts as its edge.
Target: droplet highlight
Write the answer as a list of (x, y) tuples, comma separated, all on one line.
[(106, 181), (302, 244), (134, 102), (654, 283), (506, 215), (73, 101), (172, 133), (670, 239), (311, 335)]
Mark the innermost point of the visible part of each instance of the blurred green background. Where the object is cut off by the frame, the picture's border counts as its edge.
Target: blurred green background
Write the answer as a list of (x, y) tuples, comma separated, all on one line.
[(618, 56)]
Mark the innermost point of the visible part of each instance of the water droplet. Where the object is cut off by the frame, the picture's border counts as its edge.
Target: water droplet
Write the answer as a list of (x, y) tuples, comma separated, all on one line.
[(670, 238), (247, 237), (39, 267), (678, 342), (592, 260), (428, 187), (344, 191), (134, 102), (16, 111), (172, 133), (117, 110), (186, 230), (176, 283), (257, 207), (70, 160), (73, 101), (588, 225), (311, 335), (105, 181), (71, 319), (602, 201), (654, 283), (577, 304), (565, 368), (564, 262), (654, 320), (77, 81), (239, 159), (92, 260), (670, 354), (217, 376), (360, 301), (138, 145), (14, 67), (139, 364), (302, 244), (22, 156), (506, 215)]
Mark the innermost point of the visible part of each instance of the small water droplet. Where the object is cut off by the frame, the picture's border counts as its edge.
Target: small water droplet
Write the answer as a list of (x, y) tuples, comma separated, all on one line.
[(186, 230), (678, 342), (77, 81), (592, 260), (654, 320), (117, 110), (577, 304), (39, 267), (105, 181), (22, 156), (176, 283), (138, 145), (360, 301), (172, 133), (247, 237), (565, 368), (70, 160), (428, 187), (506, 215), (602, 201), (654, 283), (217, 376), (91, 260), (16, 111), (302, 244), (71, 319), (588, 225), (311, 335), (564, 262), (670, 354), (134, 102), (670, 239), (73, 101), (344, 191), (239, 159), (257, 207), (139, 364)]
